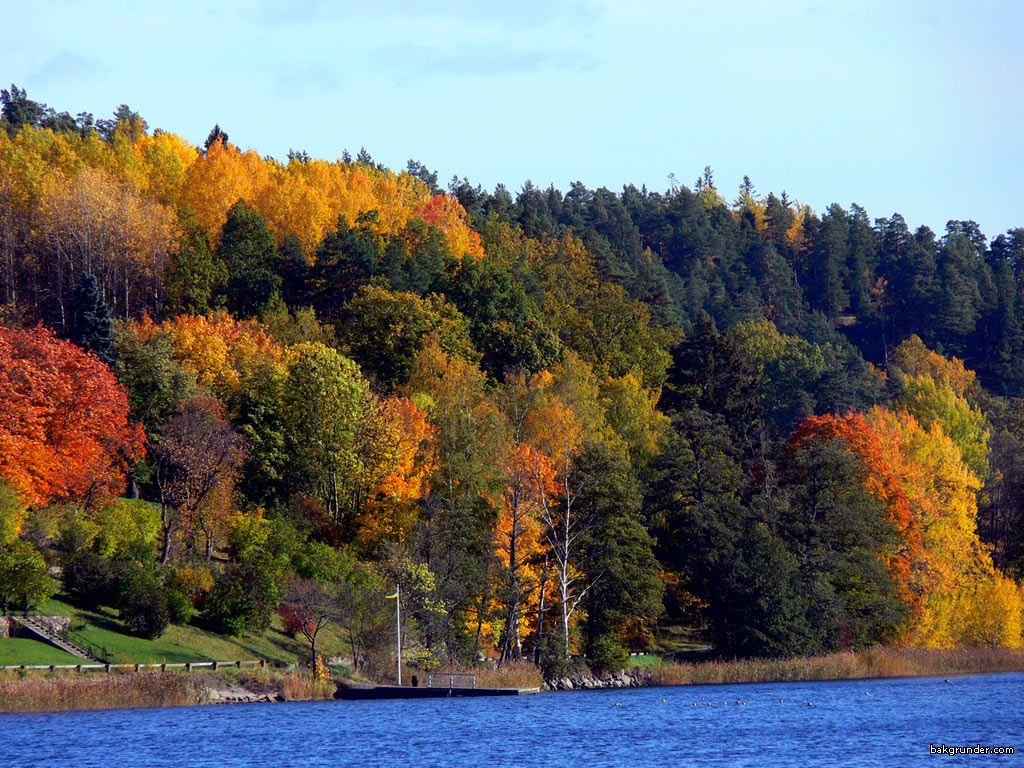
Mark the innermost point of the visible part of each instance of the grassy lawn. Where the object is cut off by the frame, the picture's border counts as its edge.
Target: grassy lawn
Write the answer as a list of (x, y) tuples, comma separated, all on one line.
[(673, 638), (21, 650), (647, 661), (177, 644)]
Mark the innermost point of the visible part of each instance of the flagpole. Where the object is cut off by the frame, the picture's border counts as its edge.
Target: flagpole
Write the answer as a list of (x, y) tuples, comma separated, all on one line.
[(398, 630)]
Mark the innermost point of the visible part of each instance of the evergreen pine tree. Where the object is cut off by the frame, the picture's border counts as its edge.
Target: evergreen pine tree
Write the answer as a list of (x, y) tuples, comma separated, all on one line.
[(248, 251)]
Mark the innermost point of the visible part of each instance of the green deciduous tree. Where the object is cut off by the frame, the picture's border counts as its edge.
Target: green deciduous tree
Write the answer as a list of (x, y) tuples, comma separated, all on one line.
[(325, 403), (24, 579)]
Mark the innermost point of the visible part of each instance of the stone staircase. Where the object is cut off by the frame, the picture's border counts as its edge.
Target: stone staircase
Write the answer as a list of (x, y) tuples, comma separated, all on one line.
[(39, 626)]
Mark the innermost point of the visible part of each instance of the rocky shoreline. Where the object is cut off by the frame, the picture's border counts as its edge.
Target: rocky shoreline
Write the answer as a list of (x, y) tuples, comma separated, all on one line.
[(231, 693), (623, 679)]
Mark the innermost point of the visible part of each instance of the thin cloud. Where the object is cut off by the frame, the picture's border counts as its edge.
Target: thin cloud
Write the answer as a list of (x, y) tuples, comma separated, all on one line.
[(64, 66), (522, 15), (480, 59), (308, 79)]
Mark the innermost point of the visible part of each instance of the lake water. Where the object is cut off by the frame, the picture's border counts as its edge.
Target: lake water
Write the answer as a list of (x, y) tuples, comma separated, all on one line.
[(854, 723)]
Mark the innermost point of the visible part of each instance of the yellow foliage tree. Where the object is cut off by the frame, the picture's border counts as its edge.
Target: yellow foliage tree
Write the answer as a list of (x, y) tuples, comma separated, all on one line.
[(942, 492)]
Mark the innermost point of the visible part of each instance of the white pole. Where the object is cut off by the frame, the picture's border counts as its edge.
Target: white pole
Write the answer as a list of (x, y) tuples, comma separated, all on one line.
[(398, 629)]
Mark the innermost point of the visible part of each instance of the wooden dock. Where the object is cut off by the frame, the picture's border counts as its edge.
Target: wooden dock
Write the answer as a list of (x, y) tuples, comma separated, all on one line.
[(408, 692)]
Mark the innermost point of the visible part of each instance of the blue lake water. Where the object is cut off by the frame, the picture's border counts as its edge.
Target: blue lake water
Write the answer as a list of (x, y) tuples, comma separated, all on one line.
[(855, 723)]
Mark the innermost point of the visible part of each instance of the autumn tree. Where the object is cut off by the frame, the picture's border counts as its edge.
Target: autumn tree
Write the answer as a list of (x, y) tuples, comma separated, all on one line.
[(456, 528), (225, 354), (198, 461), (92, 223), (942, 494), (64, 428), (402, 460), (564, 523), (519, 539), (384, 330)]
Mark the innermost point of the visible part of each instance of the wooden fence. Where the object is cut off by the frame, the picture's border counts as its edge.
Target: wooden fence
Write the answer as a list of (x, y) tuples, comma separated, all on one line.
[(188, 666)]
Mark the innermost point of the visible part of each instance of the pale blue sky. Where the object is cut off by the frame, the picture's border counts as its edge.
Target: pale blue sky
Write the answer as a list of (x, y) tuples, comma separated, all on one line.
[(916, 107)]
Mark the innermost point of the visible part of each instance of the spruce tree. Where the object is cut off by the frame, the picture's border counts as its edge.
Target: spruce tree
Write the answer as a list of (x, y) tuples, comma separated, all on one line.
[(90, 321)]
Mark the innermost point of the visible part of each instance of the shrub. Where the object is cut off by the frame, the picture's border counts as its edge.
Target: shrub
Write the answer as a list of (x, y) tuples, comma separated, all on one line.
[(554, 661), (89, 579), (607, 653), (242, 598), (180, 607), (142, 601), (291, 621)]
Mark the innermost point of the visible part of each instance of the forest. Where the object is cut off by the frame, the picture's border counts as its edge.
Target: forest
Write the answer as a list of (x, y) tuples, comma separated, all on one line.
[(237, 390)]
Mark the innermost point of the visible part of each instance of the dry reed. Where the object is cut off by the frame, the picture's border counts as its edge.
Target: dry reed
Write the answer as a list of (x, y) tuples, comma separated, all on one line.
[(52, 692), (872, 663), (299, 686), (514, 674)]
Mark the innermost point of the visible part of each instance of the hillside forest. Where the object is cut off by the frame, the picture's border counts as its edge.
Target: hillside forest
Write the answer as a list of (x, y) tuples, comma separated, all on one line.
[(237, 390)]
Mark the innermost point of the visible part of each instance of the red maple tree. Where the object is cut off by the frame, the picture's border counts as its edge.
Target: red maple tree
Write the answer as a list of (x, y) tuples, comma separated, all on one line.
[(64, 428)]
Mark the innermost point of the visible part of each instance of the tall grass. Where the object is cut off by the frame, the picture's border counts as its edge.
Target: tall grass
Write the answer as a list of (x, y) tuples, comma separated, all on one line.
[(513, 674), (302, 686), (58, 692), (872, 663)]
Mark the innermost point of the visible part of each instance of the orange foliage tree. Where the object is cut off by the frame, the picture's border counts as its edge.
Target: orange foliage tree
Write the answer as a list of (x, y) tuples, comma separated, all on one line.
[(942, 490), (222, 352), (863, 442), (64, 429), (401, 461), (519, 539)]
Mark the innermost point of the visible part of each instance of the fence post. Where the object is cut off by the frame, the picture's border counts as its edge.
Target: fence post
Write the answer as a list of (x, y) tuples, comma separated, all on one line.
[(263, 663), (188, 666), (106, 668), (215, 665), (238, 664)]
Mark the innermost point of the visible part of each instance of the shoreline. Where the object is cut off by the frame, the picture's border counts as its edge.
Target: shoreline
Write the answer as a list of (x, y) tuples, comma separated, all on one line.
[(69, 691)]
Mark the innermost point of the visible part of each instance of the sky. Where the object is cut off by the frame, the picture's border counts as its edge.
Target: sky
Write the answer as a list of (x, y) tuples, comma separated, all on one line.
[(909, 107)]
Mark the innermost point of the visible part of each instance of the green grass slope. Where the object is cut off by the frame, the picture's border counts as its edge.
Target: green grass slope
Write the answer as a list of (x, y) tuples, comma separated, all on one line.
[(23, 650), (177, 644)]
